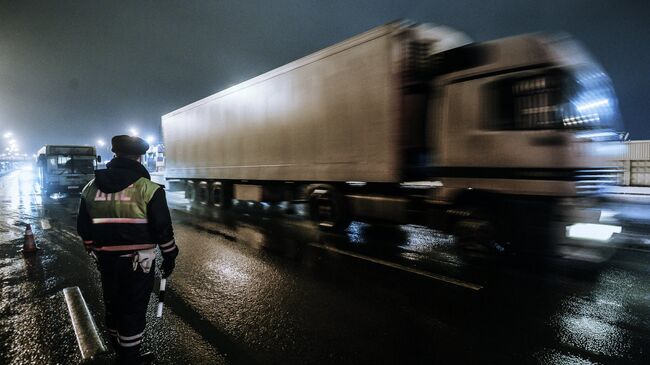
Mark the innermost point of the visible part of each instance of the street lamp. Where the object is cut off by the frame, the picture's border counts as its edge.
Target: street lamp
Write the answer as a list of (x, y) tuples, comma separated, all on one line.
[(150, 139), (101, 143)]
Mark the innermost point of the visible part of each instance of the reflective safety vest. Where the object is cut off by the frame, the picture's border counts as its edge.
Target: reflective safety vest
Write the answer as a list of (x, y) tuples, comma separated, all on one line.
[(119, 220)]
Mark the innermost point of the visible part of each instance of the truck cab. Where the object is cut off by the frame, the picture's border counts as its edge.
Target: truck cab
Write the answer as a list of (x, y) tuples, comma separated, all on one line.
[(525, 134)]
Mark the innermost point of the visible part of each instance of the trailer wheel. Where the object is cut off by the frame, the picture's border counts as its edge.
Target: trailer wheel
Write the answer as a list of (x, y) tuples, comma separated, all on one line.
[(190, 191), (202, 193), (328, 208), (221, 195), (476, 225)]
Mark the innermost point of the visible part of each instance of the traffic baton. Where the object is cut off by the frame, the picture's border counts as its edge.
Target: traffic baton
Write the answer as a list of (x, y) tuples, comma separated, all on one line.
[(161, 297)]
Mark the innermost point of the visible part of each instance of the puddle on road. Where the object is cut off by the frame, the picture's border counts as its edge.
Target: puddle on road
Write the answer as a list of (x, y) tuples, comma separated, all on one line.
[(553, 357), (31, 321), (594, 323), (45, 224)]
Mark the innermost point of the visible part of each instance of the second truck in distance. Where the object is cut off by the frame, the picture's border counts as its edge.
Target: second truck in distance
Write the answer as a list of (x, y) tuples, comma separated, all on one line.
[(65, 168)]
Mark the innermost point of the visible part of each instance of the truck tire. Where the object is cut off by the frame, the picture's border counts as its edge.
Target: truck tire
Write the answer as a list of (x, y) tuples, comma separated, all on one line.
[(221, 195), (202, 193), (328, 208), (477, 225), (190, 191)]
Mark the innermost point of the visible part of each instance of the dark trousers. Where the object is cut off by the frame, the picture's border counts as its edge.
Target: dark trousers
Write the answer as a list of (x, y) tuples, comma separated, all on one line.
[(126, 297)]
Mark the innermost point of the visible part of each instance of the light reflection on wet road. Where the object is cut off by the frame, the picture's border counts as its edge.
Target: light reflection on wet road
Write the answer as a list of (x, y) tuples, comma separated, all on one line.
[(252, 286)]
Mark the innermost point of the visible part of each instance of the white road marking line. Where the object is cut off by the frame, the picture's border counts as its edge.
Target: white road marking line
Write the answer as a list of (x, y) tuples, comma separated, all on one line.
[(429, 275)]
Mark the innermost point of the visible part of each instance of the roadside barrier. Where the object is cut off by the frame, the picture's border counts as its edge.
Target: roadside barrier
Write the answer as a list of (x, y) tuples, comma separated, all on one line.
[(83, 324)]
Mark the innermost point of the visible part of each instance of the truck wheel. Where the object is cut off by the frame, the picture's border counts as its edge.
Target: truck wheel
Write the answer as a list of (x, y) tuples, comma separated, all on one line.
[(477, 225), (190, 191), (221, 195), (328, 208), (202, 193)]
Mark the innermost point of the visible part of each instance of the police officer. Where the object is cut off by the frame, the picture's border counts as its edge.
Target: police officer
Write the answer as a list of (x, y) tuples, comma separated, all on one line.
[(122, 217)]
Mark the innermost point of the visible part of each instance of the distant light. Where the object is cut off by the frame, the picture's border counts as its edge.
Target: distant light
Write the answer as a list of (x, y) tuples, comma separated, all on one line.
[(421, 184), (150, 139), (595, 104), (133, 132), (101, 143), (7, 135), (57, 196), (12, 142), (596, 135), (607, 216), (592, 231)]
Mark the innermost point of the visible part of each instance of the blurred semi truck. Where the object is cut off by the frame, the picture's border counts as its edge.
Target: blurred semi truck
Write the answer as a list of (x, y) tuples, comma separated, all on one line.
[(64, 169), (409, 123)]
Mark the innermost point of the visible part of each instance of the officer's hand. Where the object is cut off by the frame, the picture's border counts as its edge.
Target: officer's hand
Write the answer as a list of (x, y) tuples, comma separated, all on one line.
[(167, 267)]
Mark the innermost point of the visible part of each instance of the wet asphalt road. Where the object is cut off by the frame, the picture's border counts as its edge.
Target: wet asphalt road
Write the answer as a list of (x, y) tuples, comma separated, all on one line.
[(258, 287)]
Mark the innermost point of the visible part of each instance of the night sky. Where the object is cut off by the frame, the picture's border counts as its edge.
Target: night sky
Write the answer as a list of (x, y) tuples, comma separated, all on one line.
[(76, 71)]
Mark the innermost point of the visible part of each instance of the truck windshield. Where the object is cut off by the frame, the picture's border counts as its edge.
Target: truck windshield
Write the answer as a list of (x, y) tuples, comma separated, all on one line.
[(575, 98), (592, 103), (71, 164)]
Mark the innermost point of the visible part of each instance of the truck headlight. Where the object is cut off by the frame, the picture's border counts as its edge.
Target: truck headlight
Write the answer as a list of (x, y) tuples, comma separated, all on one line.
[(592, 231)]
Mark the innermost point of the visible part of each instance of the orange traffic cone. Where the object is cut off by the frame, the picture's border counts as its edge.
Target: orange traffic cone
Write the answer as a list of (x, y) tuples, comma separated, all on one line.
[(29, 245)]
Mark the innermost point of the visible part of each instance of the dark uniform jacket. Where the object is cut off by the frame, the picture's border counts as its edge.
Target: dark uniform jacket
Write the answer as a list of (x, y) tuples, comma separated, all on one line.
[(122, 210)]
